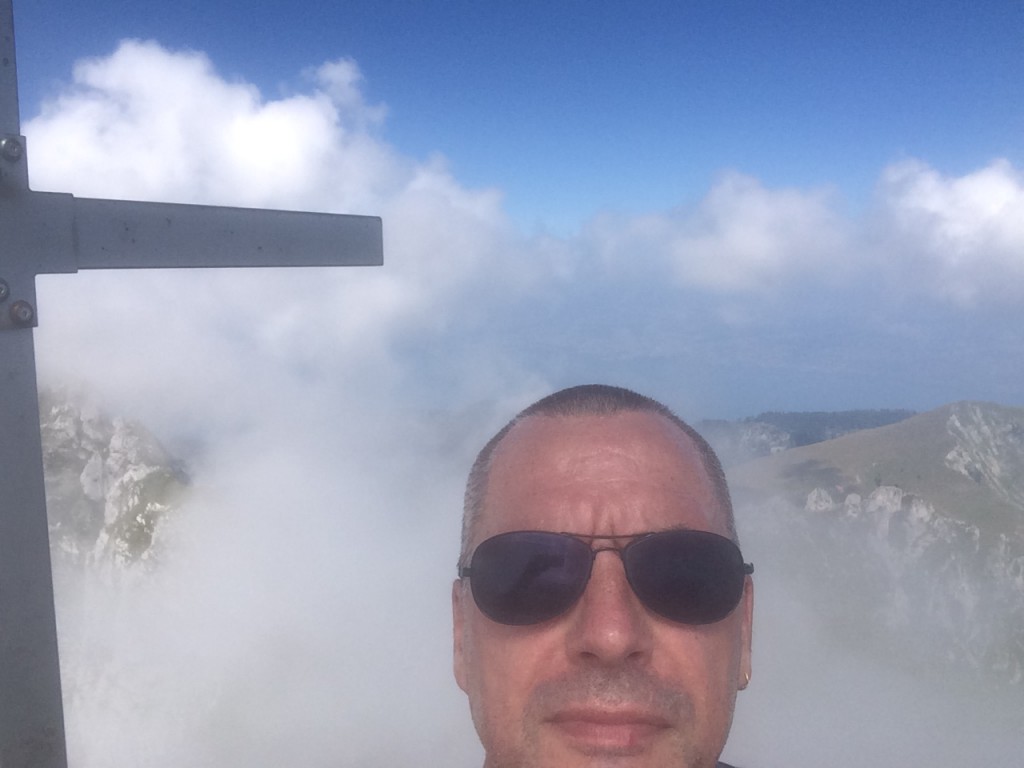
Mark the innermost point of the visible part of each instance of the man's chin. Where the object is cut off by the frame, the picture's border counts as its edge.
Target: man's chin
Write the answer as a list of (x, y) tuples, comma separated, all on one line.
[(575, 744), (603, 738)]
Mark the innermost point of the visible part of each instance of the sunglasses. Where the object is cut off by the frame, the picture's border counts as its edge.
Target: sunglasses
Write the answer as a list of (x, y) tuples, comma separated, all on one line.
[(527, 577)]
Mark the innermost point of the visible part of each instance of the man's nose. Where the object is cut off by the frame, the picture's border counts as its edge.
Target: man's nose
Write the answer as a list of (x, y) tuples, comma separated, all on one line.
[(609, 625)]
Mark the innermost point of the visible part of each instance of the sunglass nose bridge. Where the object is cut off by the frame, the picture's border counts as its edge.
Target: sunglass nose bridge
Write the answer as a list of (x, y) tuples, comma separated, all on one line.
[(620, 549), (595, 551)]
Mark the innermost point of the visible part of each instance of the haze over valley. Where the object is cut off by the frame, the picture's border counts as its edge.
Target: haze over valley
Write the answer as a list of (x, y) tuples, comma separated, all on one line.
[(903, 542)]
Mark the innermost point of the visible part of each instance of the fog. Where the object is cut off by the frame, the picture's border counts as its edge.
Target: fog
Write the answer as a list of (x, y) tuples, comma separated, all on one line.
[(819, 695), (299, 613)]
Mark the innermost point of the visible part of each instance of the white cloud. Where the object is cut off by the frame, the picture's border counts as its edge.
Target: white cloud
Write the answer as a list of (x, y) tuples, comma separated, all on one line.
[(952, 239), (744, 237), (148, 123), (741, 238), (961, 238), (342, 81)]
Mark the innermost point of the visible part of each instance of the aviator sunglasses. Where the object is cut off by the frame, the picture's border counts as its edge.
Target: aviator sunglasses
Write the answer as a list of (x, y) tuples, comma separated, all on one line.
[(528, 577)]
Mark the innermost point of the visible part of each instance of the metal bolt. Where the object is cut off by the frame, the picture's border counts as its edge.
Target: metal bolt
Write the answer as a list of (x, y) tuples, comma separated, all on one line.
[(11, 149), (22, 313), (5, 290)]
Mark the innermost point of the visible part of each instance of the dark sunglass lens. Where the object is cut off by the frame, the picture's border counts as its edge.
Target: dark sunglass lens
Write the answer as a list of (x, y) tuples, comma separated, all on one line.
[(691, 577), (526, 577)]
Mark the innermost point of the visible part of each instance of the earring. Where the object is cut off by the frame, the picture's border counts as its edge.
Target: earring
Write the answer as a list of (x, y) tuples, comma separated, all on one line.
[(746, 681)]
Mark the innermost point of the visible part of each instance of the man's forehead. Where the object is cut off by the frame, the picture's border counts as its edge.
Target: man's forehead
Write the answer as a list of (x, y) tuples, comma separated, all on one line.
[(548, 458), (641, 434)]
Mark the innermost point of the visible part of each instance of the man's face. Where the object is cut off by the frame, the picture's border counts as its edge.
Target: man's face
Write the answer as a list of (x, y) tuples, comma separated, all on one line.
[(608, 683)]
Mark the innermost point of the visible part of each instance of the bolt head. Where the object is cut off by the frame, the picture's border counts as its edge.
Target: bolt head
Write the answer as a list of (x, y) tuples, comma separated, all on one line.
[(11, 149), (22, 313), (5, 290)]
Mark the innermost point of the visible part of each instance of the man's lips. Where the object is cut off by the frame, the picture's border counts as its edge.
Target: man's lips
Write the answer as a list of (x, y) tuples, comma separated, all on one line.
[(615, 731)]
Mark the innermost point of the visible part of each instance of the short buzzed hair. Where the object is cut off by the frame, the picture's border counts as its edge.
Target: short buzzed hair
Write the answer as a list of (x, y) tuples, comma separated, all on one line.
[(588, 400)]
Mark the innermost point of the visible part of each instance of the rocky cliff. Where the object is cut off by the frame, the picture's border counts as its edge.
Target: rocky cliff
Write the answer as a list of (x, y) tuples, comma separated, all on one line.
[(109, 483)]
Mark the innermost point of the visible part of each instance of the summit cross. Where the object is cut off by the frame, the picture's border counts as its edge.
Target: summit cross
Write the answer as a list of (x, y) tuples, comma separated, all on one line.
[(46, 233)]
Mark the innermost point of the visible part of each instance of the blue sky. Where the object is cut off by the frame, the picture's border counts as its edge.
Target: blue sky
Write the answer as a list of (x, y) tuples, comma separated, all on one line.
[(570, 108), (734, 207)]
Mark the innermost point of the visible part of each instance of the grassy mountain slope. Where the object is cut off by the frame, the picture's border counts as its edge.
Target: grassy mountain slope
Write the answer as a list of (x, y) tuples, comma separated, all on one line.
[(966, 459)]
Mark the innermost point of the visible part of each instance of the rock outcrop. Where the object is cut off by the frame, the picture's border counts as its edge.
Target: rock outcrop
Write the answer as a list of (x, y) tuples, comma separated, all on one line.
[(109, 483)]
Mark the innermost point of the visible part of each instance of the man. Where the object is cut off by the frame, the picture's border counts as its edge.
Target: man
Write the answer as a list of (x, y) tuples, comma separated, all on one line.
[(602, 614)]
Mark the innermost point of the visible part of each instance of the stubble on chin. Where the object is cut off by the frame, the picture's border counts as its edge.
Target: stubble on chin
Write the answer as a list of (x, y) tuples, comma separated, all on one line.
[(623, 688)]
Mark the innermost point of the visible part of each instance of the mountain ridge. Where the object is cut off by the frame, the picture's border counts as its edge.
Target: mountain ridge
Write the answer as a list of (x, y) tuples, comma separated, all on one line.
[(773, 431), (917, 527), (967, 458)]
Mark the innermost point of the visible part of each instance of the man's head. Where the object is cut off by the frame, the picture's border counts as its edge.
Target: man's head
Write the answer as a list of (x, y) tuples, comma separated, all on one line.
[(601, 678)]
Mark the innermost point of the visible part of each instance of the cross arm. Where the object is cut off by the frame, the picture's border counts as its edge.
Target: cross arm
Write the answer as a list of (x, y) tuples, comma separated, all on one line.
[(115, 234), (49, 232)]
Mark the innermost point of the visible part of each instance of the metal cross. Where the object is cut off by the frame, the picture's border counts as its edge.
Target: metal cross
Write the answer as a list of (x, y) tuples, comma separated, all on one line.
[(45, 233)]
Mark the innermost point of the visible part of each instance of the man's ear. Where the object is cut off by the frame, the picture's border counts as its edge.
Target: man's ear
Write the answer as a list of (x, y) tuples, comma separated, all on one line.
[(458, 630)]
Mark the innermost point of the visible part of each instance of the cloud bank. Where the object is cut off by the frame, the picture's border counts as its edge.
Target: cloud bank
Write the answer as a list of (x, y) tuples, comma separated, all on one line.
[(330, 414)]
